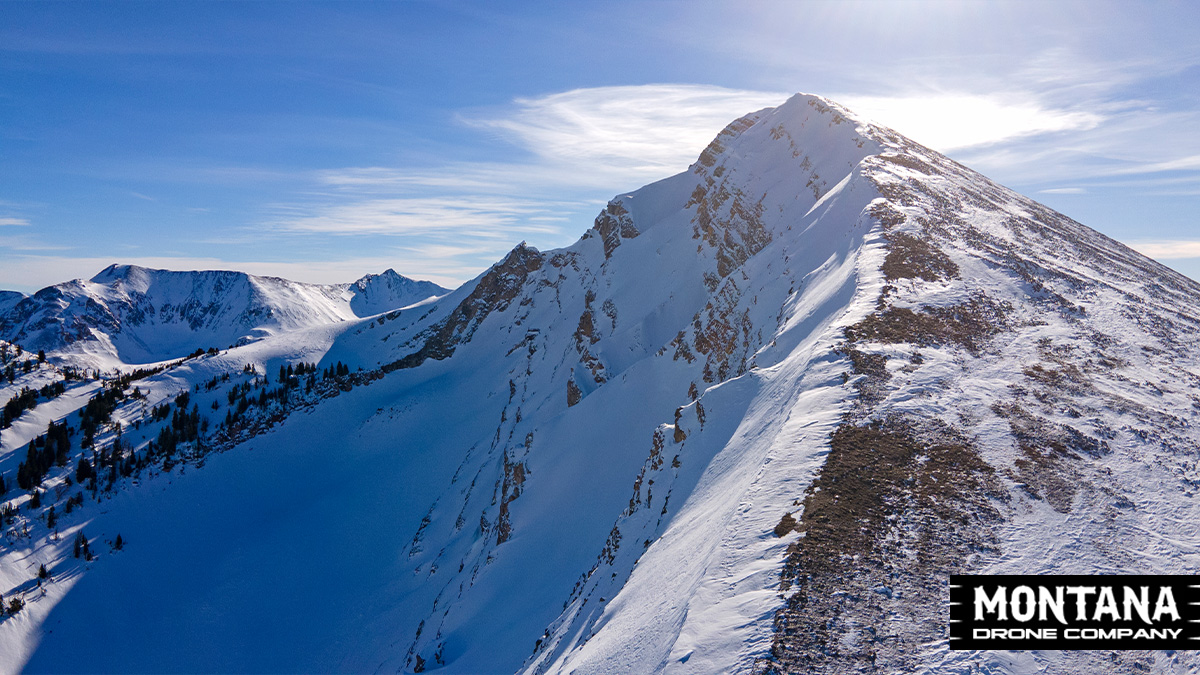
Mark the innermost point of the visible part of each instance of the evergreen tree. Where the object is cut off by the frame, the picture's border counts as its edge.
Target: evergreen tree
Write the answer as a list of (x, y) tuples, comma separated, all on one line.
[(84, 471), (119, 543), (42, 573), (82, 548)]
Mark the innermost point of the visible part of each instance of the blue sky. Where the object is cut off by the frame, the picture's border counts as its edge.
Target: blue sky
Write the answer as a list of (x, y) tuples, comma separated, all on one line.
[(322, 141)]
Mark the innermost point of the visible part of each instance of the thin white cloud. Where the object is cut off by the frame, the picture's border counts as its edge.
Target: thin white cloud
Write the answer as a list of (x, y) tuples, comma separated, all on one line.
[(1167, 250), (374, 179), (414, 216), (22, 242), (953, 121), (8, 221), (1189, 163), (1132, 139), (647, 131), (1063, 191)]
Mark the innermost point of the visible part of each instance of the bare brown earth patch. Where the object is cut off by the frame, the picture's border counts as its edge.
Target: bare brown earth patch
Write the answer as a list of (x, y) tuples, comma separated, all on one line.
[(970, 324), (912, 258), (893, 512), (1044, 470)]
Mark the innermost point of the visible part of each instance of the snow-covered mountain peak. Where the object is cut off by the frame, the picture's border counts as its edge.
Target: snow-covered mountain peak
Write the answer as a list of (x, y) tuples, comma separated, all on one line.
[(388, 290), (114, 272), (749, 422)]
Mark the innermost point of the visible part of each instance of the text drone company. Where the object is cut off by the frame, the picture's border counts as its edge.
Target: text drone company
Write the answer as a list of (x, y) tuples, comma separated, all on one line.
[(1074, 612), (1075, 633)]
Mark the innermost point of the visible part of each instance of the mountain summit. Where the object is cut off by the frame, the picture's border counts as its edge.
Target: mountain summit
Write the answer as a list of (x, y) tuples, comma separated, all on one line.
[(748, 423)]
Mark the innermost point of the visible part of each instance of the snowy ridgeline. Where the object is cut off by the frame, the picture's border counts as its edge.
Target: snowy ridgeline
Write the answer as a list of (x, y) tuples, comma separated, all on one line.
[(133, 315), (749, 422)]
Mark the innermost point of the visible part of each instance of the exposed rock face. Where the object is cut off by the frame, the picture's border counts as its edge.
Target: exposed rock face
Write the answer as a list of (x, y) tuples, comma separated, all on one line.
[(493, 293), (612, 226)]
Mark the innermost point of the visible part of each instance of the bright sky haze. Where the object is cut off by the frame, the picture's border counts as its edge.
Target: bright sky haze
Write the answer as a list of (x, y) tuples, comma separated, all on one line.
[(321, 141)]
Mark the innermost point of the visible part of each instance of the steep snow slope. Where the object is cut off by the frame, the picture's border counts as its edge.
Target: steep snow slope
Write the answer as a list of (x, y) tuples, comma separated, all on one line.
[(133, 315), (581, 460), (9, 299)]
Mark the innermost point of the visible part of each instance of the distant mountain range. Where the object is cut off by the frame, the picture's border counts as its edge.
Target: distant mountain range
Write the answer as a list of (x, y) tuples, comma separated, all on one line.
[(135, 315)]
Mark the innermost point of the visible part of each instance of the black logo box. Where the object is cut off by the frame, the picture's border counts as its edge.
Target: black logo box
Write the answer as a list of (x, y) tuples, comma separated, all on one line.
[(968, 631)]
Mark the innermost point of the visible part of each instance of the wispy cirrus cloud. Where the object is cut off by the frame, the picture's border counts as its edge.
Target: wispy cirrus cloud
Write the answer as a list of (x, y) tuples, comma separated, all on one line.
[(476, 216), (643, 132), (18, 235), (1130, 137), (1167, 250), (1189, 163), (603, 138)]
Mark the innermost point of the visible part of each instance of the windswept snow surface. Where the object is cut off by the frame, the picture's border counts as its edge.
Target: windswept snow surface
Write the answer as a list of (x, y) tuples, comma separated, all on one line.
[(578, 462)]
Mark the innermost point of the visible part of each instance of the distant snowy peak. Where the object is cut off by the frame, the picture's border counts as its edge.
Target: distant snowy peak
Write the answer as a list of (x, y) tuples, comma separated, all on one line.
[(132, 314), (377, 293)]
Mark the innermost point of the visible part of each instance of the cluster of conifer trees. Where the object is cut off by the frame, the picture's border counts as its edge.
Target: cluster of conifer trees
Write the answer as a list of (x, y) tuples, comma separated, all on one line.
[(290, 377), (44, 452), (104, 466), (26, 399), (13, 367), (99, 410), (185, 427)]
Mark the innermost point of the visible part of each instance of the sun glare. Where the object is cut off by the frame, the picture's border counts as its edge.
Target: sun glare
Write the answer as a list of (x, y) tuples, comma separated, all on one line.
[(954, 121)]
